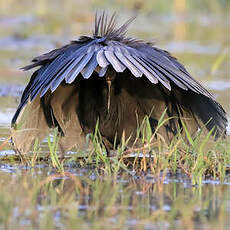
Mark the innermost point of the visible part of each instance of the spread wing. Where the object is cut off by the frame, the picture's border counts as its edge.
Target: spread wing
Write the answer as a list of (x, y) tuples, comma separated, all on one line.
[(110, 47), (65, 64)]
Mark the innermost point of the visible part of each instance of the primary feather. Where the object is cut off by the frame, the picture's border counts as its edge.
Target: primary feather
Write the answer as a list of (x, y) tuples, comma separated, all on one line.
[(141, 77)]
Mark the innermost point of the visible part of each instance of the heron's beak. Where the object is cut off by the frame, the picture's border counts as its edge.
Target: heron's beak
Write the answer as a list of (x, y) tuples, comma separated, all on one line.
[(109, 93), (110, 76)]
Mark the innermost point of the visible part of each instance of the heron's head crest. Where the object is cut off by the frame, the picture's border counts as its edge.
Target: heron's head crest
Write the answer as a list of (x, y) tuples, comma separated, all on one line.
[(107, 27)]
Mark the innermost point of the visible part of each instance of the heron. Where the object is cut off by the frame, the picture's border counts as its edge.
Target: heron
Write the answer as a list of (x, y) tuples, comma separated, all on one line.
[(115, 80)]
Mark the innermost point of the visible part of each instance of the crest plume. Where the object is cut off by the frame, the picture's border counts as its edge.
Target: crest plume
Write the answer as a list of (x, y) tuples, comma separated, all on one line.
[(107, 27)]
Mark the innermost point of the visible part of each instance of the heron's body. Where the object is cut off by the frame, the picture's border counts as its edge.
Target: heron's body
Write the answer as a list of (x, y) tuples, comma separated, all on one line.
[(114, 80)]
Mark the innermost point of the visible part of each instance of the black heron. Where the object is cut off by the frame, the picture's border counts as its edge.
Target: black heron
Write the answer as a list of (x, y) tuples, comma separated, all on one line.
[(115, 80)]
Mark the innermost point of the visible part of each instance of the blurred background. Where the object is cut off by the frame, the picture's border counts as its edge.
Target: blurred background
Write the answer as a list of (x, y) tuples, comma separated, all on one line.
[(196, 32)]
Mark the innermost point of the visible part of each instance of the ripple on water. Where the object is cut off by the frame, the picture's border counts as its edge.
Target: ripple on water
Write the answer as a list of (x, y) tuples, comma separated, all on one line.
[(12, 90), (5, 120), (7, 168)]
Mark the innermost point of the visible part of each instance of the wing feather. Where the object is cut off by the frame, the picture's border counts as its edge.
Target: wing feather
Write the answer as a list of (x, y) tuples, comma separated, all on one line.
[(114, 61), (151, 75), (134, 70), (58, 78), (102, 71), (163, 73), (90, 67), (174, 74), (164, 60), (78, 68), (56, 65), (101, 59)]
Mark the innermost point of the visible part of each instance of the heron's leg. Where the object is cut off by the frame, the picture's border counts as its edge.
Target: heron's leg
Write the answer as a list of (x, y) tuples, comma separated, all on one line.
[(108, 146), (62, 151)]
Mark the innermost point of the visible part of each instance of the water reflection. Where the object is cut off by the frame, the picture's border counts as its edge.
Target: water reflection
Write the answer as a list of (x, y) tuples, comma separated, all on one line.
[(141, 201)]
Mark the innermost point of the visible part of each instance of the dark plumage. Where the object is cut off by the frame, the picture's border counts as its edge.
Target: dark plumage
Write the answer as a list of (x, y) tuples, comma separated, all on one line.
[(116, 80)]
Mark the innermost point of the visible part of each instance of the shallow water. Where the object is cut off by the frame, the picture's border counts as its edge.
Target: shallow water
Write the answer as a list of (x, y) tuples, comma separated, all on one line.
[(200, 42)]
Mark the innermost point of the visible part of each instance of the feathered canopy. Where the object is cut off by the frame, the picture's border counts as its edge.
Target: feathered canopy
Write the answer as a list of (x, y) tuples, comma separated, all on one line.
[(109, 47)]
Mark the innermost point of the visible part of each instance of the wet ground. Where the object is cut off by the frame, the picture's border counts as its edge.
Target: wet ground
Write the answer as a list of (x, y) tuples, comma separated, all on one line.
[(202, 43)]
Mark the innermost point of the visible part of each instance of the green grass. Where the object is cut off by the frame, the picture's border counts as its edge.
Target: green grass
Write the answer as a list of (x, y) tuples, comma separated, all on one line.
[(199, 158)]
